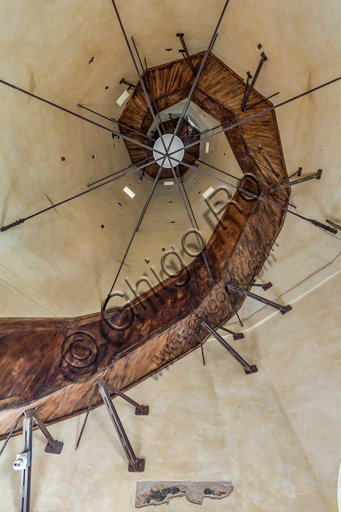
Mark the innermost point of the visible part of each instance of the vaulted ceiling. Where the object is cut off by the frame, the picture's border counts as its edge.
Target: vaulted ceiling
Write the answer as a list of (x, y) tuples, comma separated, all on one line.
[(62, 263)]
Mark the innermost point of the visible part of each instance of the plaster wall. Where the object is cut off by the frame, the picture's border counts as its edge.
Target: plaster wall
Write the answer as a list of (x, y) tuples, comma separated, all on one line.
[(166, 221), (63, 263), (275, 433)]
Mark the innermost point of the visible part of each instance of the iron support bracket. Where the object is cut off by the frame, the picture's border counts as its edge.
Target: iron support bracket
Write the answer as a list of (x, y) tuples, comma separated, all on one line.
[(185, 52), (134, 463), (267, 302), (130, 85), (288, 184), (248, 369), (249, 88)]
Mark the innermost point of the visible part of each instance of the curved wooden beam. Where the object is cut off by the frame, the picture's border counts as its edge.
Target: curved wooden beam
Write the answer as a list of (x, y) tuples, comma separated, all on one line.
[(53, 364)]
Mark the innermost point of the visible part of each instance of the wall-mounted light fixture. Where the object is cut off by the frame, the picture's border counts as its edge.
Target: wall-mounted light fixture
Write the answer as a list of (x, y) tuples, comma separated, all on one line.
[(129, 192), (124, 96), (208, 192)]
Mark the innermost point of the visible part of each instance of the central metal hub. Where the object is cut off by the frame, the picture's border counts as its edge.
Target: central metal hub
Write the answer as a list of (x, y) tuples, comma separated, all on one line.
[(162, 150)]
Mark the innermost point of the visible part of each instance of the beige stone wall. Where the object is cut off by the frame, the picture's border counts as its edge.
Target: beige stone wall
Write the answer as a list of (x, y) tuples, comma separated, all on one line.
[(275, 434), (63, 263)]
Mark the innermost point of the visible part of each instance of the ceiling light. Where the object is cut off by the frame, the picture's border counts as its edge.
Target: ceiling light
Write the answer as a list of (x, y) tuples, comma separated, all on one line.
[(208, 192), (173, 144), (122, 98), (207, 147), (168, 183), (129, 192)]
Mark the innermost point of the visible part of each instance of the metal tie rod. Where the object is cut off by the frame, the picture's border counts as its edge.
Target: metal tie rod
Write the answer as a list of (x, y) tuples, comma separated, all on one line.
[(63, 109)]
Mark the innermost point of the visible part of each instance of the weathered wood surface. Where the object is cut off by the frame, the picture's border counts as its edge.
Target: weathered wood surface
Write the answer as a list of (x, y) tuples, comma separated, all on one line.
[(36, 367)]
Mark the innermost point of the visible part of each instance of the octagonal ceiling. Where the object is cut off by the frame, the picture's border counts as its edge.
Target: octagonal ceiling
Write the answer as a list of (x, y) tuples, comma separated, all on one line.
[(61, 264)]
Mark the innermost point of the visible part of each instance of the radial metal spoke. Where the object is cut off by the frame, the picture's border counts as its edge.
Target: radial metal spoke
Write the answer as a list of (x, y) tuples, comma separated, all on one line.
[(233, 305), (148, 84), (274, 173), (270, 109), (198, 134), (266, 201), (188, 201), (15, 424), (261, 101), (138, 73), (191, 221), (283, 200), (20, 221), (287, 196), (80, 117), (219, 170), (202, 65), (125, 169), (87, 415), (133, 236), (119, 123)]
